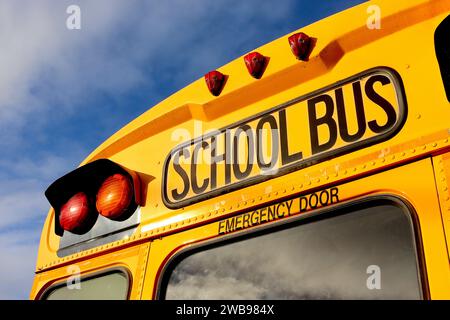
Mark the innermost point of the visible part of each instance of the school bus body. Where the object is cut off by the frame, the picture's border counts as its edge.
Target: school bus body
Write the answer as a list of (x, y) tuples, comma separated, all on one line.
[(409, 161)]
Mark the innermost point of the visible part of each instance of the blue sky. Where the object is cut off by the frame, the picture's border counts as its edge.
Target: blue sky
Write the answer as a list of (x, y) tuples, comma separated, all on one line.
[(63, 92)]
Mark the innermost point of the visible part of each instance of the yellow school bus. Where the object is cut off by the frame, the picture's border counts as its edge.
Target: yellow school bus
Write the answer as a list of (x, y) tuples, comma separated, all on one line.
[(314, 167)]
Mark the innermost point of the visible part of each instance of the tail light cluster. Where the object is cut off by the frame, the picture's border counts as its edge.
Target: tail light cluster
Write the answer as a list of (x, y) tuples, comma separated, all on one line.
[(101, 188)]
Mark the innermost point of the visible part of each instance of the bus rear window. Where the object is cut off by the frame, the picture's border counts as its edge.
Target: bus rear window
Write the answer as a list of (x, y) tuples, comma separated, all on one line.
[(110, 286), (366, 251)]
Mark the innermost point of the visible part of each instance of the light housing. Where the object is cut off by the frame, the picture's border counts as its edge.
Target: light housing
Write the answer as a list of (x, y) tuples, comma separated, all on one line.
[(300, 44), (88, 179)]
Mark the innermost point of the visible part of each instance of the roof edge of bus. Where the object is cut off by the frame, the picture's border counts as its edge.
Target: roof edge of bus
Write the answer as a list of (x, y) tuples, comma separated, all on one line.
[(195, 102)]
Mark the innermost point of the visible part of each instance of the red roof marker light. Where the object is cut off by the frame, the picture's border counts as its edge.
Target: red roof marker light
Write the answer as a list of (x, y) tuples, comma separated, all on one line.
[(255, 63), (300, 45), (215, 82)]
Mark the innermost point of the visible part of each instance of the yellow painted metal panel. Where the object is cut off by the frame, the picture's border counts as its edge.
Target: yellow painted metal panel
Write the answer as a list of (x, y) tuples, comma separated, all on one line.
[(419, 191), (132, 260)]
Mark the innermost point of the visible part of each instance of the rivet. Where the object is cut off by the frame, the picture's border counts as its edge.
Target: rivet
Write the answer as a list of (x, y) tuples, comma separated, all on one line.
[(446, 140), (435, 144), (383, 160), (413, 151)]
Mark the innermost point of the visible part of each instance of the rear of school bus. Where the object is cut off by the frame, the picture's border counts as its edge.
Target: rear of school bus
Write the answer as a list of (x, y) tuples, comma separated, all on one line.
[(316, 176)]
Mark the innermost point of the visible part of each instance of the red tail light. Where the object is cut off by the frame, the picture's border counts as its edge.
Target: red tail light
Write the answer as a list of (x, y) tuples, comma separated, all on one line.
[(300, 45), (255, 63), (114, 196), (75, 213), (215, 81)]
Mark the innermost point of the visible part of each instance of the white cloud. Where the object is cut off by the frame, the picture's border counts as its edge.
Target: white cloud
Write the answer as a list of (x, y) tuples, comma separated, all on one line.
[(24, 208), (47, 64), (44, 64), (21, 202), (19, 252)]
